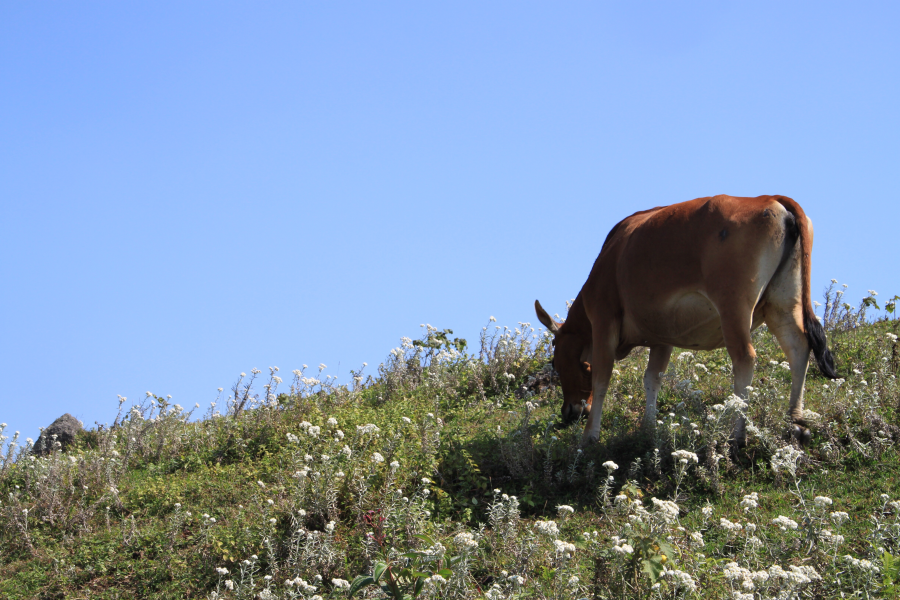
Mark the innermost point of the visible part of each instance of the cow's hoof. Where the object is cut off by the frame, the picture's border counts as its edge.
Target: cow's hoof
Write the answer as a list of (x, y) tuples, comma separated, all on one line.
[(738, 440), (736, 444), (801, 433), (648, 426), (589, 439)]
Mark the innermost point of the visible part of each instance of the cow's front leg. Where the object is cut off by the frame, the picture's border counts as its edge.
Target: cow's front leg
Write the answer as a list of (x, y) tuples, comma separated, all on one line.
[(656, 366), (601, 373)]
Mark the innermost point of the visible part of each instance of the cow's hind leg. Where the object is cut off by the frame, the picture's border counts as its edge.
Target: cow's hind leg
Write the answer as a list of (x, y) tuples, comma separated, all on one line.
[(656, 366), (736, 331), (786, 324)]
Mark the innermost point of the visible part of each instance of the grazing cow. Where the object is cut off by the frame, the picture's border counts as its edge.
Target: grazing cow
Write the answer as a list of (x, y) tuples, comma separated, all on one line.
[(700, 275)]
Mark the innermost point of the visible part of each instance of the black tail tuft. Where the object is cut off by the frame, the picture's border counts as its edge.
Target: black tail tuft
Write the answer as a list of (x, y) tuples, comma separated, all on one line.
[(815, 335)]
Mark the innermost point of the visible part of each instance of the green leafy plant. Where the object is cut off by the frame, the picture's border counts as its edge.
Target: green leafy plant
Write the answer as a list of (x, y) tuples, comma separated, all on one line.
[(436, 340), (405, 577), (890, 573)]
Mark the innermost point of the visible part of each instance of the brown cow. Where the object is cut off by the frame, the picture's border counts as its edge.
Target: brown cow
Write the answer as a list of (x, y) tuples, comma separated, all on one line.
[(700, 275)]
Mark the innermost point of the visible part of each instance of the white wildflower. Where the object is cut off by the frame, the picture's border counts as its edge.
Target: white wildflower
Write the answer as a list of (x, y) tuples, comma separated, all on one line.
[(465, 541), (750, 502), (547, 528), (682, 580), (623, 548), (563, 547), (667, 509), (683, 456), (730, 526), (341, 584), (839, 517), (785, 523), (822, 501)]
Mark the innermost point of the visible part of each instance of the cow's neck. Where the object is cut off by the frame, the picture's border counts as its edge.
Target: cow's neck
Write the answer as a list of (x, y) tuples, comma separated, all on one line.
[(578, 323)]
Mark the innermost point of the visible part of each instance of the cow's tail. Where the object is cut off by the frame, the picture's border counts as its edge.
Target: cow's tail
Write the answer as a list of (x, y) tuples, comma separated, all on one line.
[(815, 333)]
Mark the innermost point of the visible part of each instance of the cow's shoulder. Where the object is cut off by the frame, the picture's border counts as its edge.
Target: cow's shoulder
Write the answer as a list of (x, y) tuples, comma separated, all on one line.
[(626, 225)]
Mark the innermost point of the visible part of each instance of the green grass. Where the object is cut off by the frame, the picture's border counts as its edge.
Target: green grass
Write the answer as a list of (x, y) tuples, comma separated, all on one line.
[(480, 437)]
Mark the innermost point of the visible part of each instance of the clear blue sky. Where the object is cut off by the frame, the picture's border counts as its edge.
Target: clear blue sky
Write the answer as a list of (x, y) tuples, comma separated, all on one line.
[(190, 190)]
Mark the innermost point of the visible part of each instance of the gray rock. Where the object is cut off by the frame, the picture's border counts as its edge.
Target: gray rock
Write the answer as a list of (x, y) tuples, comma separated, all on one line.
[(64, 428)]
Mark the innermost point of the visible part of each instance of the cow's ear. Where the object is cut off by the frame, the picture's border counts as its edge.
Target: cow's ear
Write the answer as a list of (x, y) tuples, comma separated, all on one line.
[(586, 367), (545, 319)]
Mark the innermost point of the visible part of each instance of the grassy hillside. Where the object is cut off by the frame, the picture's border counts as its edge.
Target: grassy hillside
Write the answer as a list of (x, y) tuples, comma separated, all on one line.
[(446, 475)]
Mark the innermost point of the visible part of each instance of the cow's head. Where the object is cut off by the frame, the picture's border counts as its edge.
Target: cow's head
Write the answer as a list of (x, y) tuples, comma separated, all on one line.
[(571, 359)]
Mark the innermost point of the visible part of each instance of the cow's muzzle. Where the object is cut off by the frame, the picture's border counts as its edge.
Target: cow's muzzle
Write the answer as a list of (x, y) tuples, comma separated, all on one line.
[(573, 412)]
